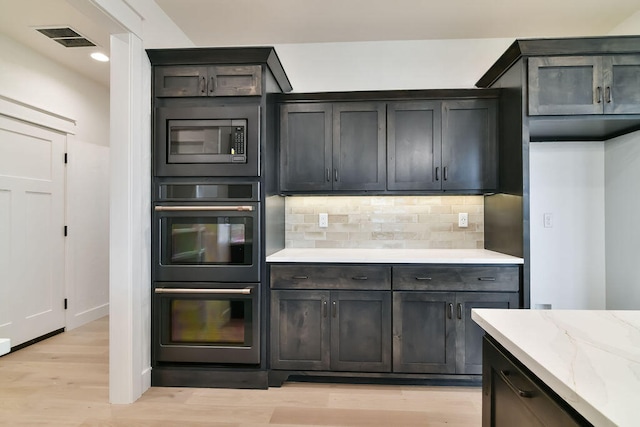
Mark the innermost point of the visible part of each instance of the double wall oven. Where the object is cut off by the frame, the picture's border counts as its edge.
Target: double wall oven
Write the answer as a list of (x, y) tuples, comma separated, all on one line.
[(206, 267)]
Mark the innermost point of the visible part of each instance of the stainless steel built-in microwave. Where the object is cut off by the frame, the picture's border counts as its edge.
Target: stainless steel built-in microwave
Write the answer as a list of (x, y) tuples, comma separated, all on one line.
[(207, 141)]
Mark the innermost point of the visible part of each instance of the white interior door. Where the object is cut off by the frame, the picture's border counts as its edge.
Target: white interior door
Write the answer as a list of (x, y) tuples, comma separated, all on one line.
[(31, 230)]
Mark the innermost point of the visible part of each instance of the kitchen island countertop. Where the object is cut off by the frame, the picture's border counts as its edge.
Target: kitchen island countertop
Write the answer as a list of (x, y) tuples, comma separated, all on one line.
[(590, 358), (392, 256)]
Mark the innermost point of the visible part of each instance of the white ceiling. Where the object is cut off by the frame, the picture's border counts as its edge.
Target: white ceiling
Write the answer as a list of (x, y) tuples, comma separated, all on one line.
[(271, 22)]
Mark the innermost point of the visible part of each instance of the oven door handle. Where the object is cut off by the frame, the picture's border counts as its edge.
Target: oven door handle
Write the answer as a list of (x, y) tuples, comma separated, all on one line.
[(203, 208), (245, 291)]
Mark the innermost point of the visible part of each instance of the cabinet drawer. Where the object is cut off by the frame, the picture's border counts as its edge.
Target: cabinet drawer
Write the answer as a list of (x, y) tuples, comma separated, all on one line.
[(456, 278), (520, 399), (304, 276)]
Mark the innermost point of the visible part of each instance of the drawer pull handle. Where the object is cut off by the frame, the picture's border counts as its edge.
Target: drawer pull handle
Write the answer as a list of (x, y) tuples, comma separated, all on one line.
[(334, 309), (324, 308), (459, 311), (300, 277), (450, 312), (423, 278), (360, 278), (522, 393), (487, 279)]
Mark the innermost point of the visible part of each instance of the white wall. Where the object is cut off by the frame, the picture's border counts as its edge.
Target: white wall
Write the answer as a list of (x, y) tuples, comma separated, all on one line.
[(87, 249), (568, 259), (388, 65), (34, 81), (622, 196)]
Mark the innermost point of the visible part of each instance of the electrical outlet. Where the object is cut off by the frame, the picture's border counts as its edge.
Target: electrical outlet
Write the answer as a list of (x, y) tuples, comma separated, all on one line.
[(548, 220), (323, 220), (463, 220)]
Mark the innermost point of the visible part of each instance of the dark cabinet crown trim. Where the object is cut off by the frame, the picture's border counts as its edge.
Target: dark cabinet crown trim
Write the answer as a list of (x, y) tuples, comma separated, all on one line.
[(224, 55), (558, 47)]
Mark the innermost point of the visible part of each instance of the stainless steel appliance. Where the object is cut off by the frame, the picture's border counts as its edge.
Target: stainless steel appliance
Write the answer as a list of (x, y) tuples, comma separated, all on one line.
[(206, 231), (206, 323), (218, 140)]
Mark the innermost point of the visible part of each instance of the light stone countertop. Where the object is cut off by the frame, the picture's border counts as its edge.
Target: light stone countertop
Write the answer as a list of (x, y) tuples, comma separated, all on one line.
[(590, 358), (393, 256)]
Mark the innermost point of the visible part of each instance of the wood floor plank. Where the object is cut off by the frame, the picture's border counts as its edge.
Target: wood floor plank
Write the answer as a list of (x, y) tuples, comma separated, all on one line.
[(63, 381)]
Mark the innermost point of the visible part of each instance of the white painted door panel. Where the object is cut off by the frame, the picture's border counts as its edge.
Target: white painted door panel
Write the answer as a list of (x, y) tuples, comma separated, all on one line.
[(31, 226)]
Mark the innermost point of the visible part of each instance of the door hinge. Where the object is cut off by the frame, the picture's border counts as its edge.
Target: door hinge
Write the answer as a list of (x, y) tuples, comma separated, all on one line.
[(66, 158), (65, 231), (65, 303)]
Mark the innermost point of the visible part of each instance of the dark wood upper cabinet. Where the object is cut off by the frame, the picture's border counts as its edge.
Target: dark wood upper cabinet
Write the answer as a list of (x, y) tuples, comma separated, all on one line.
[(359, 146), (221, 80), (448, 145), (469, 145), (414, 138), (570, 85), (390, 147), (306, 147), (332, 146)]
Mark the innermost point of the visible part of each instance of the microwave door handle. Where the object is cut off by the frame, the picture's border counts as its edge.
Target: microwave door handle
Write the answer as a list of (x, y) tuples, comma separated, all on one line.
[(202, 208), (244, 291)]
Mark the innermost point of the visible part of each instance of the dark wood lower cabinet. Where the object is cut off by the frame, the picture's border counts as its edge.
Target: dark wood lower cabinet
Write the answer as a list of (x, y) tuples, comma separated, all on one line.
[(337, 330), (513, 396), (433, 331), (382, 321)]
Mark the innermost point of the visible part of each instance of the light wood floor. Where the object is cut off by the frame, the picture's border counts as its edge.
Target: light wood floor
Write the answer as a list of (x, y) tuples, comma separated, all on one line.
[(62, 381)]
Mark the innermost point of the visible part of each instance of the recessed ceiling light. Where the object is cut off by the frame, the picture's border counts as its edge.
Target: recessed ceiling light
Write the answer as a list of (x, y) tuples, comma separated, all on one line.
[(100, 57)]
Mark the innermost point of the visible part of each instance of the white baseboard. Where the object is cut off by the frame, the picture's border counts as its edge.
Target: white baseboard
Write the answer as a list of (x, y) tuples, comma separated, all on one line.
[(5, 346), (87, 316)]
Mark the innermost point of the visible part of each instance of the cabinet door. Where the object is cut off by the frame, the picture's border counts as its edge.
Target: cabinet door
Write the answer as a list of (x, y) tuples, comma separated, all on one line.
[(565, 85), (423, 332), (469, 145), (468, 333), (621, 84), (243, 80), (300, 330), (305, 147), (361, 331), (173, 81), (359, 146), (413, 145)]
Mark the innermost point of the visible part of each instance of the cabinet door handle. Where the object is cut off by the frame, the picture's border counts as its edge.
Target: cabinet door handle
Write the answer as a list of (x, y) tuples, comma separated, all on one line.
[(459, 311), (324, 308), (328, 175), (203, 85), (335, 174), (360, 278), (522, 393), (599, 95), (437, 173), (299, 277), (334, 309), (607, 94), (423, 278), (212, 85), (487, 279), (444, 174), (450, 313)]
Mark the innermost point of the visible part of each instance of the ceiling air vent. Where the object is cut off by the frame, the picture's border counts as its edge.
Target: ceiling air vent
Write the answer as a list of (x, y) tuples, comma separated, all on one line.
[(66, 37)]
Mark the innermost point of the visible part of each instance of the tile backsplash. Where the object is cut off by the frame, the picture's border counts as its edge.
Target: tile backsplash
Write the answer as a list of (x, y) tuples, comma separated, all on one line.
[(405, 222)]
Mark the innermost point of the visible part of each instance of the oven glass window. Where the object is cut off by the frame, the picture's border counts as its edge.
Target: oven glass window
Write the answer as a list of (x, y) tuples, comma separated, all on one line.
[(215, 240), (225, 322)]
